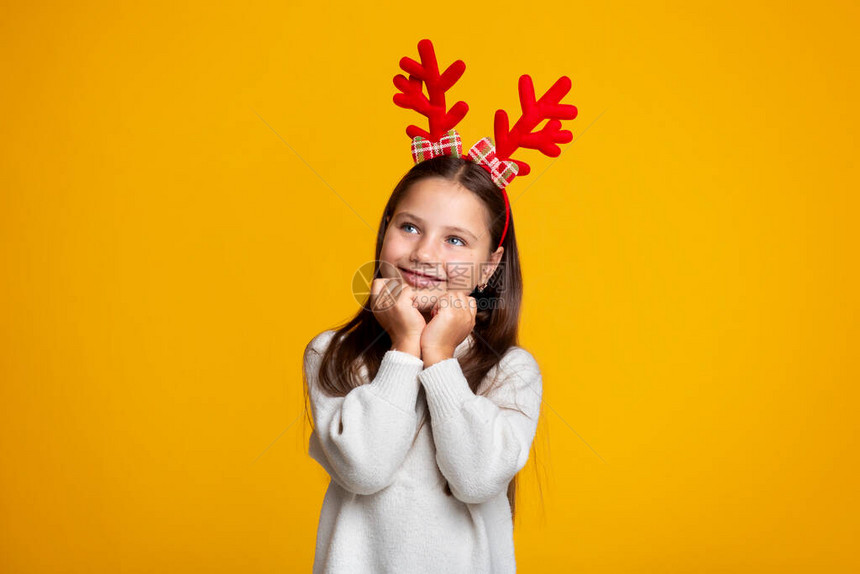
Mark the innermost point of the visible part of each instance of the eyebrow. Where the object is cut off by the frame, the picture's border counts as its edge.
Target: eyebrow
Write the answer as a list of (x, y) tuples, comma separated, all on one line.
[(419, 220)]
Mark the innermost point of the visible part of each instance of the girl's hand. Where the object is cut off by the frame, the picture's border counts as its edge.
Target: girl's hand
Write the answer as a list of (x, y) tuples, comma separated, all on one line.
[(453, 318), (392, 303)]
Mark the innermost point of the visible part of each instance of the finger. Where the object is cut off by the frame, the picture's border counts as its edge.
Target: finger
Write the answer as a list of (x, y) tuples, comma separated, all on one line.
[(375, 288), (461, 300), (437, 306), (380, 284), (444, 301), (381, 296), (394, 287), (406, 292)]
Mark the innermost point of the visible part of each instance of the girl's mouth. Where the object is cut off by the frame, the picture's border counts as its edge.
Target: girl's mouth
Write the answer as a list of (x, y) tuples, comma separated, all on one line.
[(417, 280)]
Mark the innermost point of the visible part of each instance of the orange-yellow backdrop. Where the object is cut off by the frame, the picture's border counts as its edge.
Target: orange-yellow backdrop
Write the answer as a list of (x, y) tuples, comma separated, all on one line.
[(182, 209)]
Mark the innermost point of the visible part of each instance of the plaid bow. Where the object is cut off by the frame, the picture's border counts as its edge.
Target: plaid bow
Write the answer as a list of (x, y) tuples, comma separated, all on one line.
[(449, 144), (502, 171)]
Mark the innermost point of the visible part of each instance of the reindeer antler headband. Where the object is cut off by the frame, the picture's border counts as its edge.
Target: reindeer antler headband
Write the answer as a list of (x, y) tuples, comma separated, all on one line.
[(443, 139)]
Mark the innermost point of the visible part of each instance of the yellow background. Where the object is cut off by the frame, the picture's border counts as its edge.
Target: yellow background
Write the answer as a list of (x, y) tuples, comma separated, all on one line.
[(187, 189)]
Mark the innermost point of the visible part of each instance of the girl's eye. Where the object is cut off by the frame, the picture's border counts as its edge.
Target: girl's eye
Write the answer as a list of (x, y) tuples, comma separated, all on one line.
[(405, 225)]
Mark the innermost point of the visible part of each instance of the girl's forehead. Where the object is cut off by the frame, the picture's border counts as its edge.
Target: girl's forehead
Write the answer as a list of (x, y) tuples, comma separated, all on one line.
[(441, 200)]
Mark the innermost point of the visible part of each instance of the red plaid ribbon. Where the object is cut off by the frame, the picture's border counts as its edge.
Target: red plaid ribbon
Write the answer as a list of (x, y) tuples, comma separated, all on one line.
[(502, 171), (449, 144)]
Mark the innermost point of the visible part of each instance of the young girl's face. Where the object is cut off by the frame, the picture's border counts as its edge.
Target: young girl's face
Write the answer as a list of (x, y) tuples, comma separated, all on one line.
[(439, 230)]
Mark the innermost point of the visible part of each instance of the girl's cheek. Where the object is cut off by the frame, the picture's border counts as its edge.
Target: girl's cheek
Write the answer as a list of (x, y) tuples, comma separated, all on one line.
[(457, 276)]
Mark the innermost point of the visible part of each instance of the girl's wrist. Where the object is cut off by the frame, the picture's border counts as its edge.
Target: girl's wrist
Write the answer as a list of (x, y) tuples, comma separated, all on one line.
[(433, 355), (411, 346)]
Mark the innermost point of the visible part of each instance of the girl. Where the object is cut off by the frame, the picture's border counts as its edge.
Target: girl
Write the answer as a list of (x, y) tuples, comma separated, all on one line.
[(423, 406), (406, 496)]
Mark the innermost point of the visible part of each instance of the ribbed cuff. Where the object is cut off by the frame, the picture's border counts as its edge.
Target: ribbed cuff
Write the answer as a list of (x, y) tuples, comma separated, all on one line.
[(397, 379), (446, 388)]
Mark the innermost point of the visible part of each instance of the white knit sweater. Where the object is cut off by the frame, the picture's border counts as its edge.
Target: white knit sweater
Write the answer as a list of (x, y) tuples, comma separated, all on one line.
[(386, 510)]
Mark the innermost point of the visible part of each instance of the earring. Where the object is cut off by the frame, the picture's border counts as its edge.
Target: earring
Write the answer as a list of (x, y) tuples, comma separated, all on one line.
[(481, 287)]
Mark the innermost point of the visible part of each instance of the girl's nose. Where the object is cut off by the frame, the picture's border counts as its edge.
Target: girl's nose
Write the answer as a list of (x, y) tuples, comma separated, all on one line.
[(425, 251)]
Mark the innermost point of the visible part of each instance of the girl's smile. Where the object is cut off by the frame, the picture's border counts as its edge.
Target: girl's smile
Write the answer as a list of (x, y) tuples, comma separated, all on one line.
[(420, 280)]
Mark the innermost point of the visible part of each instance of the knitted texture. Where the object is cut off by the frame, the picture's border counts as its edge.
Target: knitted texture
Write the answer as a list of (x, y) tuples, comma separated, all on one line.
[(386, 508)]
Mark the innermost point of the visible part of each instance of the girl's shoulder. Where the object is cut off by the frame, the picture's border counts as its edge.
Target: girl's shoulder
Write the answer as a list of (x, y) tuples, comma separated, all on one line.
[(507, 380), (514, 357), (516, 364), (320, 342), (518, 358)]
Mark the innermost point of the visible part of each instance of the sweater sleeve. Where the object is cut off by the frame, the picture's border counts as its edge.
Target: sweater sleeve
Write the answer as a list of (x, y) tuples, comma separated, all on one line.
[(480, 446), (362, 439)]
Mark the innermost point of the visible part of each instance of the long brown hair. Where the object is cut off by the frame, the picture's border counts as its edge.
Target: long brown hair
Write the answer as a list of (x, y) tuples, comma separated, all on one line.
[(363, 342)]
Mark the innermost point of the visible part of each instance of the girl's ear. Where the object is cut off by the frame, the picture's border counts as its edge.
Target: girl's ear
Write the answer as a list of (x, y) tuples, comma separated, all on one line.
[(492, 263)]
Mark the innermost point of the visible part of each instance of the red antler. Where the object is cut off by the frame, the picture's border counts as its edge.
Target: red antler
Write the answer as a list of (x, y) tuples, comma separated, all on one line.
[(412, 97), (534, 112)]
